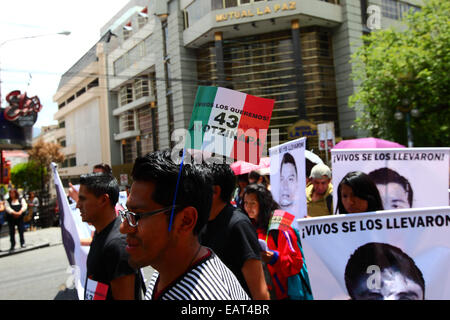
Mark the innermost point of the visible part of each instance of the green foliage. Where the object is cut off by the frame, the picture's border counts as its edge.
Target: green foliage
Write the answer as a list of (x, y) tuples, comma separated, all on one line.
[(27, 175), (413, 64)]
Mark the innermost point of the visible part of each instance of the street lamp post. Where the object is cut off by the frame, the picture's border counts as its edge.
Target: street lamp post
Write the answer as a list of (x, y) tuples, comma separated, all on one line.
[(409, 110)]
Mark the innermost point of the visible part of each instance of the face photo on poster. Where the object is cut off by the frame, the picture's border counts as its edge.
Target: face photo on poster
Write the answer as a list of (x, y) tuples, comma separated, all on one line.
[(405, 177), (287, 176), (380, 271), (395, 254)]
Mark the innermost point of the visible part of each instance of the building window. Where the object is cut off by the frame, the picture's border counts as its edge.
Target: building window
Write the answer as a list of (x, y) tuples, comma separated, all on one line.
[(263, 65), (62, 124), (72, 161), (141, 87), (93, 84), (80, 92), (127, 34), (119, 65), (396, 10), (62, 142), (142, 21), (126, 121), (125, 94)]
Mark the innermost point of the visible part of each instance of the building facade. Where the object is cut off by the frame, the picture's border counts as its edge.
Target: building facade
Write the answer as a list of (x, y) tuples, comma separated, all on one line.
[(83, 115), (157, 53)]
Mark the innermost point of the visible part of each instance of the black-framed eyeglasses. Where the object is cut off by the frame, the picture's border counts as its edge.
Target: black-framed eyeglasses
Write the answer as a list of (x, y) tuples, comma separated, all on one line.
[(133, 218)]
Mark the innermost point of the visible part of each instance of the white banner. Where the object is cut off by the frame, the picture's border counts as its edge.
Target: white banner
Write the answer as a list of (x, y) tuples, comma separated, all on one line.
[(394, 254), (73, 229), (287, 176), (405, 177)]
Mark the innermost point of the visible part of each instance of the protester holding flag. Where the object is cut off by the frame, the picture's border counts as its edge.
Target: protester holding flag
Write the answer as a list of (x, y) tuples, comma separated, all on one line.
[(283, 256), (358, 193)]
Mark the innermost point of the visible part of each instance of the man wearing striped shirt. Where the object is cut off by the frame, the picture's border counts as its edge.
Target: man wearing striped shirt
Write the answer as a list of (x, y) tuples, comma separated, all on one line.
[(168, 205)]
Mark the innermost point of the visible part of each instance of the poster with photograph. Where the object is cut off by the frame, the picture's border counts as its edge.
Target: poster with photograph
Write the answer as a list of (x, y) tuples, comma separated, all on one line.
[(393, 254), (287, 176), (405, 177)]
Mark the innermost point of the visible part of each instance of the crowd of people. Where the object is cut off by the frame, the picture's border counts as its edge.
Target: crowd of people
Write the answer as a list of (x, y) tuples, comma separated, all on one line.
[(204, 230), (21, 212)]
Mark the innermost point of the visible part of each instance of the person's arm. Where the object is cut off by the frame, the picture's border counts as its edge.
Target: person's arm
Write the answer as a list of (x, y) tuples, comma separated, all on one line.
[(8, 208), (286, 258), (24, 206), (73, 193), (254, 277), (122, 288)]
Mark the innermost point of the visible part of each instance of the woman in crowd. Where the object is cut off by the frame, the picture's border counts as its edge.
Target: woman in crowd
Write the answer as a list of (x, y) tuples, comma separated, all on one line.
[(2, 212), (283, 258), (15, 207), (358, 193), (33, 205)]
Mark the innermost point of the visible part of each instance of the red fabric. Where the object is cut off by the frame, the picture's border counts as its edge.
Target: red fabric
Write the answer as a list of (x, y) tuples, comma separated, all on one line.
[(289, 261)]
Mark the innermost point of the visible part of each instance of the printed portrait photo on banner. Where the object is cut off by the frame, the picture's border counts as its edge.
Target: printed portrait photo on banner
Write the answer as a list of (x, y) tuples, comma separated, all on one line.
[(288, 192), (405, 177), (380, 271), (395, 190)]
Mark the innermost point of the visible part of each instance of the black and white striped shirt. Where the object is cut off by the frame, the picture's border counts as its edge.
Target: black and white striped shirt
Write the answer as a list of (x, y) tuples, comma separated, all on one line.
[(209, 279)]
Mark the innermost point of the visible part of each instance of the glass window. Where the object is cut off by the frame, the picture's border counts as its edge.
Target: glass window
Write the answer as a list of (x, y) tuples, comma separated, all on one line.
[(126, 121), (125, 94), (141, 87), (263, 65), (230, 3)]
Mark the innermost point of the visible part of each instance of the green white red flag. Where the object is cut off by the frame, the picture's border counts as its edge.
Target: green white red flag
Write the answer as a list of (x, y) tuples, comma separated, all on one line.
[(229, 123)]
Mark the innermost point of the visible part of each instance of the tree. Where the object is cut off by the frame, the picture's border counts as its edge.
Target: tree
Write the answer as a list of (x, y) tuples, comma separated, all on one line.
[(44, 153), (27, 175), (404, 70)]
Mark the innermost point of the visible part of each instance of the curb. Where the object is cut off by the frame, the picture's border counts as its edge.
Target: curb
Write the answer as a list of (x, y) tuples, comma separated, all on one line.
[(20, 250)]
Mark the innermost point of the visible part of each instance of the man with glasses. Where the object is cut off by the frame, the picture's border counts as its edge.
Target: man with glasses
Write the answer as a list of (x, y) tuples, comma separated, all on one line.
[(108, 276), (168, 205)]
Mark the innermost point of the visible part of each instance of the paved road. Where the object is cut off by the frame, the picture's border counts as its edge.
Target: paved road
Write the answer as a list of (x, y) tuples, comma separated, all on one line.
[(39, 271), (33, 275)]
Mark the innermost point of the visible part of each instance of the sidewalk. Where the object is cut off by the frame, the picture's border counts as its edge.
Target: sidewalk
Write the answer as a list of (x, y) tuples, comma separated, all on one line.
[(33, 240)]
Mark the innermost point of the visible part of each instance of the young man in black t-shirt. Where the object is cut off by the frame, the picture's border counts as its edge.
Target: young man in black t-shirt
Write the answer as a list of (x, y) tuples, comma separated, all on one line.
[(232, 237), (108, 277)]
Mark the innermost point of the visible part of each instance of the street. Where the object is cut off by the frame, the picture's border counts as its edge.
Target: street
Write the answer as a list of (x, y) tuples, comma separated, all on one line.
[(33, 275), (37, 274)]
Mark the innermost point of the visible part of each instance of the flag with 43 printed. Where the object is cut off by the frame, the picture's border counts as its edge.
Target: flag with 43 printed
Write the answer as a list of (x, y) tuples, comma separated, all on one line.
[(229, 123)]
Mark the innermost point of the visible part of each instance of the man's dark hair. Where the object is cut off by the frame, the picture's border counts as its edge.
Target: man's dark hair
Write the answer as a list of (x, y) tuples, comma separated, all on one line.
[(266, 204), (288, 158), (386, 175), (384, 256), (223, 176), (363, 187), (253, 175), (101, 183), (103, 166), (195, 185)]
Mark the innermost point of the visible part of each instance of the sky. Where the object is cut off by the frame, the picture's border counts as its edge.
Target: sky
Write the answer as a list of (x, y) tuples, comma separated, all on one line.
[(35, 65)]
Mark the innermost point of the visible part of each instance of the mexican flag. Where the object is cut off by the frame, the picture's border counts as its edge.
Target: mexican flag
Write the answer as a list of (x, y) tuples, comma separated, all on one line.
[(229, 123)]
